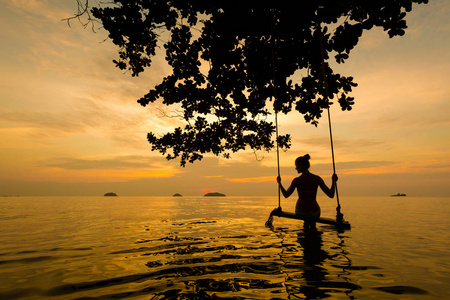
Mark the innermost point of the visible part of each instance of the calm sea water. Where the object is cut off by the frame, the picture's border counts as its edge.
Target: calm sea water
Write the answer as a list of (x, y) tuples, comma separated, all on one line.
[(219, 248)]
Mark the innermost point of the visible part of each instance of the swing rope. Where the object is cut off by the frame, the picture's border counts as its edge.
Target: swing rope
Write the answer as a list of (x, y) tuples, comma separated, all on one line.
[(339, 215), (275, 108), (278, 156)]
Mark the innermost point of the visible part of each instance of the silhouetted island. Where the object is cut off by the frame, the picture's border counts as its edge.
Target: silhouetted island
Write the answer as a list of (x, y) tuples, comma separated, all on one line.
[(214, 194), (177, 195), (399, 195), (111, 194)]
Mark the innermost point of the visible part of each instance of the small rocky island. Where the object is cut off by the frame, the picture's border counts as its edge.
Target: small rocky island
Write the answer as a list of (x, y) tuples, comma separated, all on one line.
[(177, 195), (399, 195), (214, 194), (111, 195)]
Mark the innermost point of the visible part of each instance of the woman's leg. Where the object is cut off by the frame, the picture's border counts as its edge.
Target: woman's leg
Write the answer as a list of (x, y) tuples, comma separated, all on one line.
[(309, 225)]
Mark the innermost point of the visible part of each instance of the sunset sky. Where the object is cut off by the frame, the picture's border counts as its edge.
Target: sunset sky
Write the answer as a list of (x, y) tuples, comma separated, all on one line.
[(70, 123)]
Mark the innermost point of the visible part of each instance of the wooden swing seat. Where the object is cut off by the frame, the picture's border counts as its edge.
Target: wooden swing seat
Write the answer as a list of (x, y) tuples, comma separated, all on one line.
[(283, 214)]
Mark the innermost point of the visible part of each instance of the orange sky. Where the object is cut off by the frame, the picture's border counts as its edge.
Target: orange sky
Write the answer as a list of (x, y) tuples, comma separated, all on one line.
[(70, 123)]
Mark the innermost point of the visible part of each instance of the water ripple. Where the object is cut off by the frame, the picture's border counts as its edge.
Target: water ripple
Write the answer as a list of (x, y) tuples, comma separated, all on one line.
[(185, 254)]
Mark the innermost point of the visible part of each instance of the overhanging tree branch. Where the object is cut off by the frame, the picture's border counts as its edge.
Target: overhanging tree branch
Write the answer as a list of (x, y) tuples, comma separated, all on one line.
[(236, 39)]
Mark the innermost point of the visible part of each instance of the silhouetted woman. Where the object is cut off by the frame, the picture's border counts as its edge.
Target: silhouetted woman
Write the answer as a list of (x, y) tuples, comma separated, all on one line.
[(307, 184)]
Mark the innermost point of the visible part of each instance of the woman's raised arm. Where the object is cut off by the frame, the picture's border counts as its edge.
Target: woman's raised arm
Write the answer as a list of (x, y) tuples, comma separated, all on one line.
[(290, 190), (329, 191)]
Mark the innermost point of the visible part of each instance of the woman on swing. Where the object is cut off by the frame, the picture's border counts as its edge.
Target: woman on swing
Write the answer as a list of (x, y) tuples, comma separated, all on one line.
[(307, 184)]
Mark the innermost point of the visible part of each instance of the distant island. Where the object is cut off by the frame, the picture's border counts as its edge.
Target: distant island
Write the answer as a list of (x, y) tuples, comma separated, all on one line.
[(111, 194), (399, 195), (214, 194), (177, 195)]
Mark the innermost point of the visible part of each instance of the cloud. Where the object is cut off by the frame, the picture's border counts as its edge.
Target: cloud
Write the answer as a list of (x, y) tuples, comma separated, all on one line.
[(342, 143), (37, 9), (115, 169), (123, 124), (116, 163), (252, 179), (366, 167), (75, 117)]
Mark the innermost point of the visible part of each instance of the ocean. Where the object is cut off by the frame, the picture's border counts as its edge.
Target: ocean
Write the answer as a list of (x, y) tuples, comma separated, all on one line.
[(219, 248)]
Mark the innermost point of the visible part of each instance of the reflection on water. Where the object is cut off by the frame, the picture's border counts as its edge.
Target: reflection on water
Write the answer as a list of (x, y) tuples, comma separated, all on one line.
[(311, 271), (277, 265), (125, 254)]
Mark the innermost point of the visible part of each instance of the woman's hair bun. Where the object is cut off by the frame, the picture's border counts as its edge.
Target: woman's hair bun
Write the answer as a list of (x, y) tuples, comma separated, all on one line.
[(303, 160)]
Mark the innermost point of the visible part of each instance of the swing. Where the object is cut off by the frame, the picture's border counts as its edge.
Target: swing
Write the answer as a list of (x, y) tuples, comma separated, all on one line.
[(339, 221)]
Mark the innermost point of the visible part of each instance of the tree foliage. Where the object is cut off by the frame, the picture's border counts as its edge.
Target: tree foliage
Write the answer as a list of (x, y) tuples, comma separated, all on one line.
[(231, 59)]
